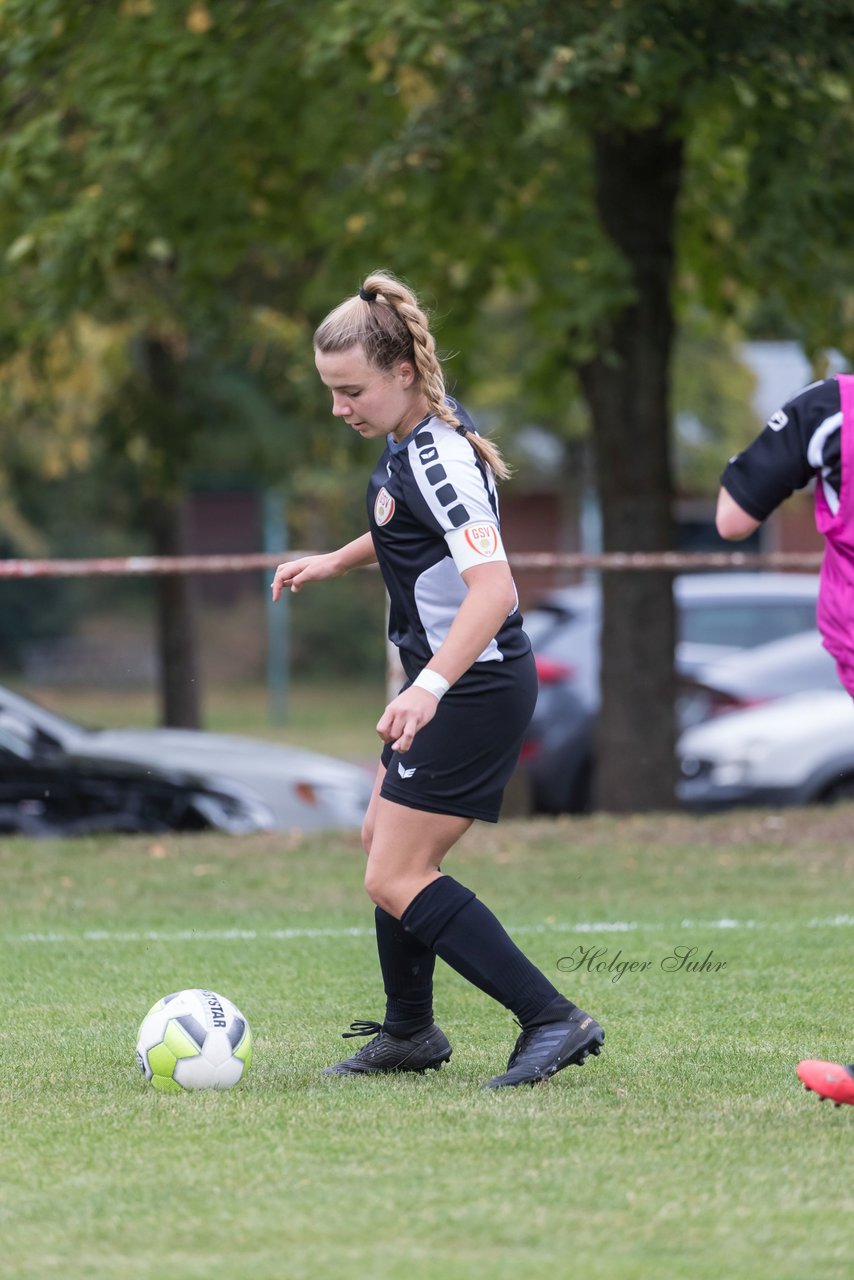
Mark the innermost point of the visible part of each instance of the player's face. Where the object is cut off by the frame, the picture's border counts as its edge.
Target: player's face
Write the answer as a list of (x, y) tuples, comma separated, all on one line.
[(372, 402)]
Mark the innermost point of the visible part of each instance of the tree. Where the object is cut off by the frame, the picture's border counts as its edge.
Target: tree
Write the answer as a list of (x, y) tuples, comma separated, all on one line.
[(158, 178), (612, 159)]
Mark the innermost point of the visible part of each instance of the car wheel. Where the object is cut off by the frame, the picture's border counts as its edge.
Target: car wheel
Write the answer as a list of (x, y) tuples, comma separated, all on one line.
[(840, 791)]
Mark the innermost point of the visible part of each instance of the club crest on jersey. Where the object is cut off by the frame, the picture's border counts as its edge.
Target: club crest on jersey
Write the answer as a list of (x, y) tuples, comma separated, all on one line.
[(383, 506), (482, 538)]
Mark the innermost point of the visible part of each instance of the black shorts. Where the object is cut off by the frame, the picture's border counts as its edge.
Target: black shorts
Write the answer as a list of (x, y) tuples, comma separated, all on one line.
[(463, 759)]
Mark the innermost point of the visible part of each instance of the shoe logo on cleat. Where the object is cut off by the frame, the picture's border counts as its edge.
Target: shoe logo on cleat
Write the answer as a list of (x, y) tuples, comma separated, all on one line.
[(405, 773), (585, 1024)]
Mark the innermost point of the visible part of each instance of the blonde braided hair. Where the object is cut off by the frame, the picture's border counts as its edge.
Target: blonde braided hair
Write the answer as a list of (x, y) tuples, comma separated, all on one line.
[(385, 319)]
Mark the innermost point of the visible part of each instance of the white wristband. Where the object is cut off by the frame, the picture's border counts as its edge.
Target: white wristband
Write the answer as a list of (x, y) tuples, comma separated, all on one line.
[(432, 682)]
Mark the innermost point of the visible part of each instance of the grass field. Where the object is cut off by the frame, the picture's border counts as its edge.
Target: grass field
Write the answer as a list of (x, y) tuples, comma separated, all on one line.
[(687, 1150)]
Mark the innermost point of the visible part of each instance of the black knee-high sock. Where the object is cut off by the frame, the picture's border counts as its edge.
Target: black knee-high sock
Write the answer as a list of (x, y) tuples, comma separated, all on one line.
[(448, 917), (407, 968)]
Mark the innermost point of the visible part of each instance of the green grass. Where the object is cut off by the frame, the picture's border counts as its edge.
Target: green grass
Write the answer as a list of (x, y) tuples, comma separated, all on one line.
[(688, 1149)]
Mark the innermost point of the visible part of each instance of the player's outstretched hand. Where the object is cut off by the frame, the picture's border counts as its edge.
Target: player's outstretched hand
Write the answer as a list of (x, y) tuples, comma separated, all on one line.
[(294, 574), (404, 716)]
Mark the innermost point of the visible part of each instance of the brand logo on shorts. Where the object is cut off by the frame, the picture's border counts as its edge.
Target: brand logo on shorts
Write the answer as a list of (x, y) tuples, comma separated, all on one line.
[(778, 420), (405, 773), (383, 506), (482, 538)]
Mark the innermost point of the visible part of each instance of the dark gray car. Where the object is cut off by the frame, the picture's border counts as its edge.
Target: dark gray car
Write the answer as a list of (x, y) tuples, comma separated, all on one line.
[(718, 614), (57, 777)]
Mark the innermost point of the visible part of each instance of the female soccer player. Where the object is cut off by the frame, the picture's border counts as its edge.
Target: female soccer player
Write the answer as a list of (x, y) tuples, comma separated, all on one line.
[(453, 734), (811, 436)]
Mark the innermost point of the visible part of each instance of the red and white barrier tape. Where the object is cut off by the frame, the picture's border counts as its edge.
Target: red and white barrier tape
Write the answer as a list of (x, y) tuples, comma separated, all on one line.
[(145, 566)]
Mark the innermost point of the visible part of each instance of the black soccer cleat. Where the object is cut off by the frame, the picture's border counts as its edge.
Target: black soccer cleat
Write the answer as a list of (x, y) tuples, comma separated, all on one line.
[(422, 1051), (541, 1052)]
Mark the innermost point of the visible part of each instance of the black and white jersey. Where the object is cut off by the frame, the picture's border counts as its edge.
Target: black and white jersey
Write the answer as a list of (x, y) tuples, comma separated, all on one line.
[(433, 512), (799, 441)]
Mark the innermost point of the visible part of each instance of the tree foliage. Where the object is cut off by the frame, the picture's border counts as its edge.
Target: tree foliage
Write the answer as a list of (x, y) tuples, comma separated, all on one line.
[(159, 180), (206, 178)]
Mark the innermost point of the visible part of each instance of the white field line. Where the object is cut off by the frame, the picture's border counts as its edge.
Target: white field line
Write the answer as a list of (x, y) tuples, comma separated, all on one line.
[(288, 935)]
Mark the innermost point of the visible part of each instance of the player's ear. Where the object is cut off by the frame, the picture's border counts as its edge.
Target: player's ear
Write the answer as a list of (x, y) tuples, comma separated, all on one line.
[(407, 374)]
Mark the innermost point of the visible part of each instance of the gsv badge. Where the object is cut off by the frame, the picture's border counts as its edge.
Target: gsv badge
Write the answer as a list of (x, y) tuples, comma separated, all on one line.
[(383, 506)]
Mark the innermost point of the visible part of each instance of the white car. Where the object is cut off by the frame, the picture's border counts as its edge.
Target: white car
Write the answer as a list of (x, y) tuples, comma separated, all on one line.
[(57, 777), (795, 750), (751, 677)]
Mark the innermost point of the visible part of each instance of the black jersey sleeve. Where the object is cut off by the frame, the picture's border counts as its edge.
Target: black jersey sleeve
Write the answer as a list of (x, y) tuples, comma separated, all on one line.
[(798, 440)]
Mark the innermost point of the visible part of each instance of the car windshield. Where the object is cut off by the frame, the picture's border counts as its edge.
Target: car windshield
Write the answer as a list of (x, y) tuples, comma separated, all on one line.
[(47, 725), (744, 624), (542, 621)]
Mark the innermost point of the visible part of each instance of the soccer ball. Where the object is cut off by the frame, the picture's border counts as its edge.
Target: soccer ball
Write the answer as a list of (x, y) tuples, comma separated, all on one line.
[(194, 1040)]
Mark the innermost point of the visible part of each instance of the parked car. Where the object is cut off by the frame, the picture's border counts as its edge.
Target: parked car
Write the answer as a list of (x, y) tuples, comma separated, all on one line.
[(755, 676), (57, 777), (795, 750), (717, 614)]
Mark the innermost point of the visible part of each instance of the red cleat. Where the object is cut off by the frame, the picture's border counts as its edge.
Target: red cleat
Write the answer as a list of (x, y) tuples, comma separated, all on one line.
[(828, 1080)]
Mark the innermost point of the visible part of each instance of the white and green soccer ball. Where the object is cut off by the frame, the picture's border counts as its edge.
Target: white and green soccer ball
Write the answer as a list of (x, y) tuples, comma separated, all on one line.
[(194, 1040)]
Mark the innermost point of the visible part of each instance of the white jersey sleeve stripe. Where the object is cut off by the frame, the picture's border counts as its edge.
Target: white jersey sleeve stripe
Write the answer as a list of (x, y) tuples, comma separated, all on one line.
[(448, 478), (815, 448)]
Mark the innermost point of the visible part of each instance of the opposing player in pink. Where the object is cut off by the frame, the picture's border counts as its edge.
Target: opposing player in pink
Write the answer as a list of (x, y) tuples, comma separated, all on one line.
[(811, 437)]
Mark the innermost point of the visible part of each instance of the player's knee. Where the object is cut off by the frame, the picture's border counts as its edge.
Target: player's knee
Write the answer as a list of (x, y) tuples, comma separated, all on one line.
[(378, 889)]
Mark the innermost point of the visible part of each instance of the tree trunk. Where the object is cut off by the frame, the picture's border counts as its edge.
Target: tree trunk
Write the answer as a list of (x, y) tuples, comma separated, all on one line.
[(638, 176), (177, 646)]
